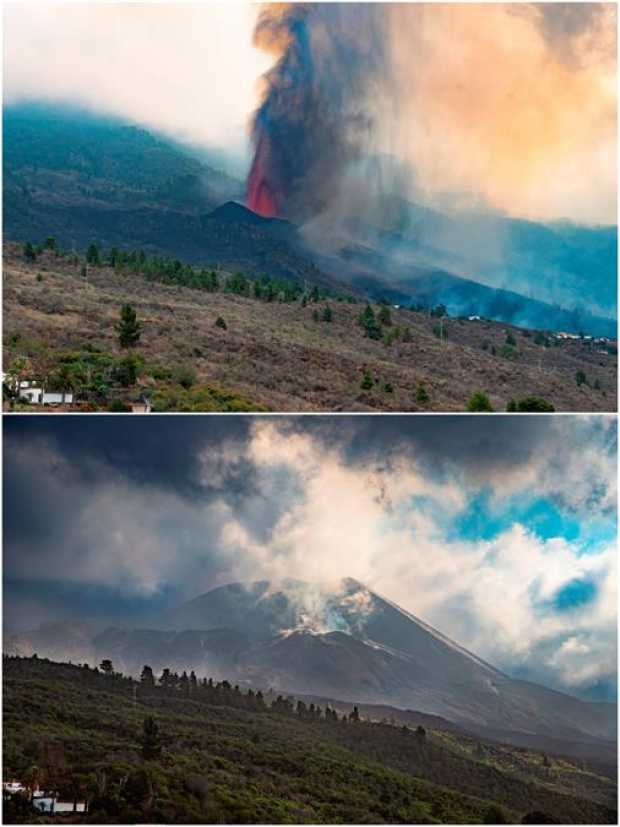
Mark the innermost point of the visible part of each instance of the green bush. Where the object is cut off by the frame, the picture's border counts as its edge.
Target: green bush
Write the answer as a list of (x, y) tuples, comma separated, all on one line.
[(479, 403), (185, 375), (508, 352), (534, 404), (421, 394), (366, 383)]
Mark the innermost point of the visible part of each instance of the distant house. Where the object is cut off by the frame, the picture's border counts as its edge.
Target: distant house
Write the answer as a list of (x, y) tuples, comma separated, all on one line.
[(34, 392), (48, 803), (12, 787)]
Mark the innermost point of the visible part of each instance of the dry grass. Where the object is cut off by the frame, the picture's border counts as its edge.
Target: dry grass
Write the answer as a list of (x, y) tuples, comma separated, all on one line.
[(276, 355)]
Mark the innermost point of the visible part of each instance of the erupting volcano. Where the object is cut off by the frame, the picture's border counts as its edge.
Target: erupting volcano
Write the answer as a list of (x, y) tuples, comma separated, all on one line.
[(312, 120), (260, 195)]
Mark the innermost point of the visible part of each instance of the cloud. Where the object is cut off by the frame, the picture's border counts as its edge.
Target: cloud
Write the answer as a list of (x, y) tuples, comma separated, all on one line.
[(186, 69), (504, 106), (177, 506)]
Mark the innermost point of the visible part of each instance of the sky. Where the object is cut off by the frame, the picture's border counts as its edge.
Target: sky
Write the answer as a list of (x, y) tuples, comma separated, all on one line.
[(508, 107), (500, 532)]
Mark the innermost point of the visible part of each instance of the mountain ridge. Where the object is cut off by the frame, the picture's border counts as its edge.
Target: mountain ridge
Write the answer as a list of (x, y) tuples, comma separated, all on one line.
[(347, 642)]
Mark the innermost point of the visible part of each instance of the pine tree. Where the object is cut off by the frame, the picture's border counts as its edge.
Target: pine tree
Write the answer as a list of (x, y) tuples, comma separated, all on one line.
[(193, 682), (29, 253), (147, 678), (368, 322), (128, 328), (93, 256)]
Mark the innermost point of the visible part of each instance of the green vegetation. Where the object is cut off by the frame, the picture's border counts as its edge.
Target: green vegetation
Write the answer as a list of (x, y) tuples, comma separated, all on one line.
[(508, 352), (384, 317), (531, 404), (479, 402), (29, 253), (186, 749), (421, 394), (368, 323), (366, 383), (103, 380), (93, 256), (580, 378), (128, 327)]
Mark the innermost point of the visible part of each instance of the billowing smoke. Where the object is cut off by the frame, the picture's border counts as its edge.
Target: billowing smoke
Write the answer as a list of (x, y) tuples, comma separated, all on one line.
[(314, 119), (507, 107)]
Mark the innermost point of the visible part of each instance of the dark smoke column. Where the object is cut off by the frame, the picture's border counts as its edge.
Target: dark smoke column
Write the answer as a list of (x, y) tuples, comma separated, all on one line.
[(312, 120)]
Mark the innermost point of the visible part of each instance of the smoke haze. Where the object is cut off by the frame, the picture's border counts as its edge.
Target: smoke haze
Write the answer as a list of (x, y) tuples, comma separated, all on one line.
[(495, 106)]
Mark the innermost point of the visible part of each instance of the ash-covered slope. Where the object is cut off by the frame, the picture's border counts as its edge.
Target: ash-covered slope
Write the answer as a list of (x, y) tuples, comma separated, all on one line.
[(352, 643)]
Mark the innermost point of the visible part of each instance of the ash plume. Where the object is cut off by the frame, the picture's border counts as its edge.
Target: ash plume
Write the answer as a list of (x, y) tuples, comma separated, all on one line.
[(481, 106), (314, 118)]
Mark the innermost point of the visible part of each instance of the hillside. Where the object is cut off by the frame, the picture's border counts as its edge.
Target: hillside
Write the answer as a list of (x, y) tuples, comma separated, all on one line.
[(226, 756), (345, 642), (82, 177), (276, 355)]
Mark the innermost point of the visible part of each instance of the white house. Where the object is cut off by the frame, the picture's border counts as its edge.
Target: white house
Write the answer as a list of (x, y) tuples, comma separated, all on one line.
[(46, 803), (36, 395), (13, 787)]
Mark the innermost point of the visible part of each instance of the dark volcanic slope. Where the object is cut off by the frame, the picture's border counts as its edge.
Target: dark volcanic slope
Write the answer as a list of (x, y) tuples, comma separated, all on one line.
[(347, 643)]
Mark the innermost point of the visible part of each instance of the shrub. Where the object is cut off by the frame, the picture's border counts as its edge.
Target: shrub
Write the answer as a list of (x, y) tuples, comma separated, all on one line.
[(366, 383), (496, 815), (384, 317), (327, 314), (479, 403), (421, 394), (219, 322), (510, 339), (126, 371), (388, 387), (580, 378), (508, 352), (534, 404), (29, 253), (117, 406), (185, 376)]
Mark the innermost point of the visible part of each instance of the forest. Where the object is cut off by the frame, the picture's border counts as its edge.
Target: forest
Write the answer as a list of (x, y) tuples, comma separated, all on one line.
[(185, 749)]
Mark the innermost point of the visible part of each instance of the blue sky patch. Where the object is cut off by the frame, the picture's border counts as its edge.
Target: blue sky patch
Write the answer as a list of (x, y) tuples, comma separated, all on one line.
[(574, 595)]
